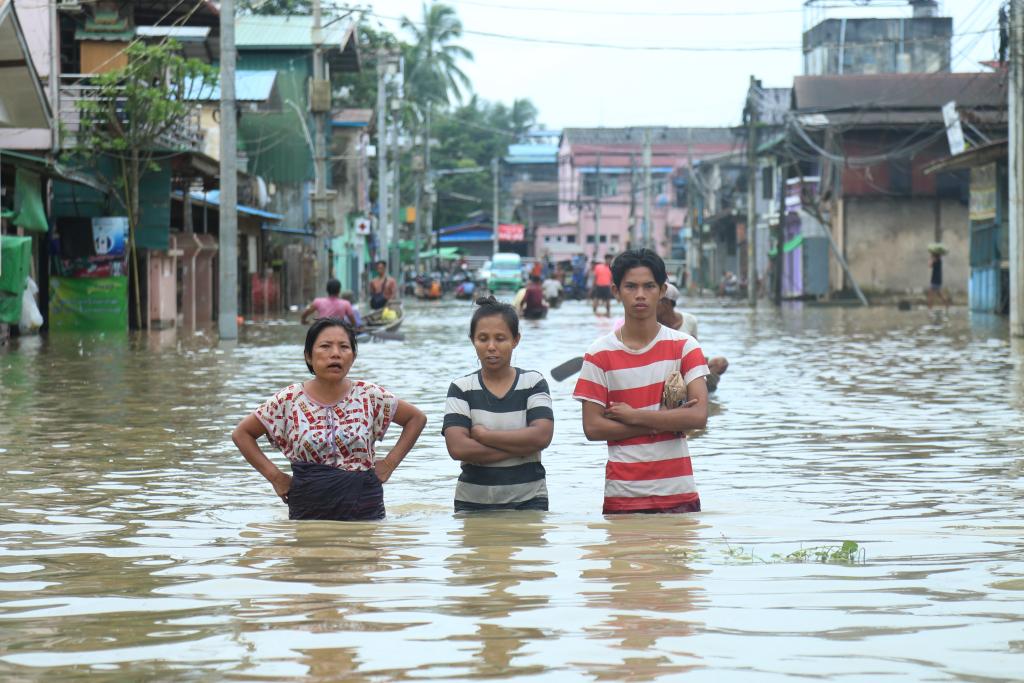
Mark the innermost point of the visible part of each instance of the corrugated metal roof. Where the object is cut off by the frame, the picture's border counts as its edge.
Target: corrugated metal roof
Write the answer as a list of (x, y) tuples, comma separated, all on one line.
[(898, 91), (250, 86), (659, 134), (213, 197), (288, 32)]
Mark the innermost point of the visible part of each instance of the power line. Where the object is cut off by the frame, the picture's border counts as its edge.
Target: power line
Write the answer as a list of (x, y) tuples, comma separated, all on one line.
[(615, 13), (664, 48)]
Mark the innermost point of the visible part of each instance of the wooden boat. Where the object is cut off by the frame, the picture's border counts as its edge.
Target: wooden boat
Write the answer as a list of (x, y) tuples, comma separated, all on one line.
[(374, 325)]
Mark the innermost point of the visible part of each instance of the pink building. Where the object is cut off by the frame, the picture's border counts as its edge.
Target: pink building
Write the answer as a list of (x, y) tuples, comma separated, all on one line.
[(601, 187)]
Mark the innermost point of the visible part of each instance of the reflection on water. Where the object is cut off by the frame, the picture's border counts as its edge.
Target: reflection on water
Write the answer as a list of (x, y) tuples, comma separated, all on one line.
[(136, 543)]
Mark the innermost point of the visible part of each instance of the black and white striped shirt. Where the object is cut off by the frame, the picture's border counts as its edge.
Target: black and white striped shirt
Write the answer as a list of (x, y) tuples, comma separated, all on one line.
[(516, 483)]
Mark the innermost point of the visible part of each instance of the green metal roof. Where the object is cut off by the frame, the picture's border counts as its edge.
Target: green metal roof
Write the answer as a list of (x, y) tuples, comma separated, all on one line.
[(288, 32)]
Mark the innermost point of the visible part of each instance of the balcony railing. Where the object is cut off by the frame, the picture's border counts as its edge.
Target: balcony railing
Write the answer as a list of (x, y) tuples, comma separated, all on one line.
[(185, 136)]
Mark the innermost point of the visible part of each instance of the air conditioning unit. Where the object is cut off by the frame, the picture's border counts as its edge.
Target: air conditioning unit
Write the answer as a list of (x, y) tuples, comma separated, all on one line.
[(69, 5)]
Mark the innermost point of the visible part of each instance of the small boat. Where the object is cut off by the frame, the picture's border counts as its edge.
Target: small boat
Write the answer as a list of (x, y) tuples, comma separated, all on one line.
[(381, 326)]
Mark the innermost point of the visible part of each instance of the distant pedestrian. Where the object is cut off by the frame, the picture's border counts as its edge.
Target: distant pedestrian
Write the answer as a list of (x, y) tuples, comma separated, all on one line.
[(331, 306), (602, 291), (533, 306), (383, 288), (498, 420), (935, 289), (327, 427)]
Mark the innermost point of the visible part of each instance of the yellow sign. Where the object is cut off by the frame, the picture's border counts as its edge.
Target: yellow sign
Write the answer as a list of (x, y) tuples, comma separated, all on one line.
[(410, 214)]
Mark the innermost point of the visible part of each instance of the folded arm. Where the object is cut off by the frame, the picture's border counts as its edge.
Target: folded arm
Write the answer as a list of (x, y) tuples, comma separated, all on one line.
[(597, 427), (464, 448), (530, 439)]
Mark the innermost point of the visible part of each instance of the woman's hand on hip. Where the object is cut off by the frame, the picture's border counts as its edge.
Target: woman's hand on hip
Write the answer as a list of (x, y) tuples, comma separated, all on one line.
[(282, 485)]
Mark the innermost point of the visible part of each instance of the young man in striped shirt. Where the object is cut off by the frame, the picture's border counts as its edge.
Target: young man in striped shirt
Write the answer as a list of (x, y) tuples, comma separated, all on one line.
[(621, 385)]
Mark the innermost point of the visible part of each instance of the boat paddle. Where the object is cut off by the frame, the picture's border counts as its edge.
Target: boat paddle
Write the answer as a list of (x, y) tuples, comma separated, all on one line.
[(567, 369)]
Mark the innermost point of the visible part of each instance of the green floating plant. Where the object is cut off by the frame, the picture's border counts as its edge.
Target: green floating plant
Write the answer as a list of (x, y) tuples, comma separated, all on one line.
[(849, 552)]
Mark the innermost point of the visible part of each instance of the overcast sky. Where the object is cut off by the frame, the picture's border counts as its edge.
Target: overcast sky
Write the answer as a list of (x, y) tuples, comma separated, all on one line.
[(591, 86)]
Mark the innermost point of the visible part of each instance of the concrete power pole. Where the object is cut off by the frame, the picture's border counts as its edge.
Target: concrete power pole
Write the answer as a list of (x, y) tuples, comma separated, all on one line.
[(1016, 168), (494, 218), (320, 212), (395, 257), (383, 215), (597, 209), (227, 258), (752, 120), (645, 240)]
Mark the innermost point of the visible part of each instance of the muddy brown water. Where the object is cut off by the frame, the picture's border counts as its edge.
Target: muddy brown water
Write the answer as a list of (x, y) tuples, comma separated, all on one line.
[(135, 543)]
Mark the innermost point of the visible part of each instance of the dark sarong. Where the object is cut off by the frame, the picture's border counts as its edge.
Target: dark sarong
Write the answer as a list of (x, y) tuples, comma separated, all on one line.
[(325, 492)]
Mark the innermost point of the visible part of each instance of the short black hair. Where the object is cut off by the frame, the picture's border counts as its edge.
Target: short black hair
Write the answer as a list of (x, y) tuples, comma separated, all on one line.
[(382, 262), (535, 278), (333, 287), (487, 306), (638, 258), (321, 324)]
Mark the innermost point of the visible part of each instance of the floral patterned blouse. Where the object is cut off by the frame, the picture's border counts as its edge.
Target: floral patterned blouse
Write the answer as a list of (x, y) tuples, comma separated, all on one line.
[(341, 435)]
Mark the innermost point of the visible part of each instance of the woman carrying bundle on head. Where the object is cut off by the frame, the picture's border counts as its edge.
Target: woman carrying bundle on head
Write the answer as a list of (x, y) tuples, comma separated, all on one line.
[(327, 427), (498, 420)]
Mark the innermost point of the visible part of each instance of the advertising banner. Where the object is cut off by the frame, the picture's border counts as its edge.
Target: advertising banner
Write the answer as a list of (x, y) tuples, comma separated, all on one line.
[(95, 304)]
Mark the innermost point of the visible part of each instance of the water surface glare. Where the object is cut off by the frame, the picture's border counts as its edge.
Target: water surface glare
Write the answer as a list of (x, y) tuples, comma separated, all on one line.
[(136, 543)]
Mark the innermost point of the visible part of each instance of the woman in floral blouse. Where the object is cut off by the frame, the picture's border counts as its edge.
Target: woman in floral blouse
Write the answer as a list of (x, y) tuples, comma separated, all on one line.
[(327, 427)]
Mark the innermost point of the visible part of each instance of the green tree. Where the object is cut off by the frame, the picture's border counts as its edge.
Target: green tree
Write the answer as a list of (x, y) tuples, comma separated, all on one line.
[(433, 76), (276, 7), (132, 116)]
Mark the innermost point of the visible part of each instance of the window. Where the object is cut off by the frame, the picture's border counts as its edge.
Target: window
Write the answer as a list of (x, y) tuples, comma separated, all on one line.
[(604, 239), (607, 183), (615, 239), (590, 239), (768, 182), (571, 239)]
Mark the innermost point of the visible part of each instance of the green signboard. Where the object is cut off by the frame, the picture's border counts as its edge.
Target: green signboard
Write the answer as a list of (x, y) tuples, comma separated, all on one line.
[(89, 304)]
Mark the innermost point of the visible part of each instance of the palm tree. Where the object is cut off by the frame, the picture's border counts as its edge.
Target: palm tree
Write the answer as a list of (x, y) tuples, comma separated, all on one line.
[(433, 73)]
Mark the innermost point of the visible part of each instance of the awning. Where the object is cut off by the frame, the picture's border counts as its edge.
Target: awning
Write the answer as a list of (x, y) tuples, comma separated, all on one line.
[(22, 101), (443, 253), (50, 169), (976, 156), (28, 202)]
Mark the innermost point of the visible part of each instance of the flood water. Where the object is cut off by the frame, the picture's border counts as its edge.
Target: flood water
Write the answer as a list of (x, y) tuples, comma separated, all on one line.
[(137, 544)]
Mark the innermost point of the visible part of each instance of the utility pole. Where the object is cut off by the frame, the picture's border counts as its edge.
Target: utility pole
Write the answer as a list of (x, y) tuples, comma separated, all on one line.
[(227, 259), (494, 218), (632, 200), (752, 120), (696, 239), (780, 235), (645, 242), (383, 217), (395, 258), (597, 208), (319, 91), (1016, 168)]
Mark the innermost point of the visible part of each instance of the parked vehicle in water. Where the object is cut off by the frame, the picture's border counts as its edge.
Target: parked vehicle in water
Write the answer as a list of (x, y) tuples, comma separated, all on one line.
[(506, 272)]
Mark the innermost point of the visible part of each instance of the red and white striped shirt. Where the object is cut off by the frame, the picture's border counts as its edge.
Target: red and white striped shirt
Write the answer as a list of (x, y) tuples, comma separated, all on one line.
[(645, 473)]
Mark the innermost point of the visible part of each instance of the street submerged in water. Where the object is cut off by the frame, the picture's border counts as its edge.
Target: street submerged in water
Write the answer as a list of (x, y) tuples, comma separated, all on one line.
[(136, 541)]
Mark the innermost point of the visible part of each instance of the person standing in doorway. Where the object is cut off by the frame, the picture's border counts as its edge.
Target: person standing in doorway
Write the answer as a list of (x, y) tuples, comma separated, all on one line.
[(383, 288), (603, 285), (935, 290)]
